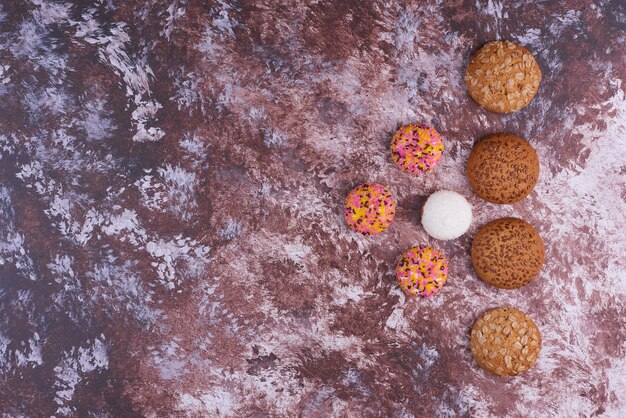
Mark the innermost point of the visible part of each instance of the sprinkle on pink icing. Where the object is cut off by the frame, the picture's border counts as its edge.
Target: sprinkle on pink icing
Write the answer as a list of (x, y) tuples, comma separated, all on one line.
[(369, 208), (422, 271), (416, 148)]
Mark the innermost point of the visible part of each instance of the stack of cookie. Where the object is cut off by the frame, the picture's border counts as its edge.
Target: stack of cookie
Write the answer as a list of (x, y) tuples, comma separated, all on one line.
[(502, 168)]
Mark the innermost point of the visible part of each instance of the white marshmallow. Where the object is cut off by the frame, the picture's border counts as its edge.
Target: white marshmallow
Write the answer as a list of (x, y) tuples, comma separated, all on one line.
[(446, 215)]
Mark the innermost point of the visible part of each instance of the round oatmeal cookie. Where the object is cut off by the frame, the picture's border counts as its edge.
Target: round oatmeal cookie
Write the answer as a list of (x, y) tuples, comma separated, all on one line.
[(503, 168), (505, 341), (422, 271), (503, 77), (507, 253)]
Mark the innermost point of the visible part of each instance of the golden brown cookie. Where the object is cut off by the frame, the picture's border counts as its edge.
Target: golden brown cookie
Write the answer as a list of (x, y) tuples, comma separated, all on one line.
[(505, 341), (507, 253), (503, 77), (503, 168)]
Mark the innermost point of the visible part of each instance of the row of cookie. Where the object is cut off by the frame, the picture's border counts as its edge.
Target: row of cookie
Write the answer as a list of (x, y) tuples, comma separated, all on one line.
[(508, 253)]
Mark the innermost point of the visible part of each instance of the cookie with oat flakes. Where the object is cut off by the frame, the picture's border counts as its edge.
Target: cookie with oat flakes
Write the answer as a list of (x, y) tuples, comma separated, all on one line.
[(503, 77), (505, 341)]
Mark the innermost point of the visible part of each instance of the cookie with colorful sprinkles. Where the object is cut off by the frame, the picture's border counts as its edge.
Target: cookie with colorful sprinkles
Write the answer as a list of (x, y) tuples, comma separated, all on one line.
[(369, 208), (416, 148), (422, 271)]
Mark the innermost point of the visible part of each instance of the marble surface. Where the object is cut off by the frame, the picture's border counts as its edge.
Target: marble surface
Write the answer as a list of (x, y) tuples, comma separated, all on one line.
[(172, 175)]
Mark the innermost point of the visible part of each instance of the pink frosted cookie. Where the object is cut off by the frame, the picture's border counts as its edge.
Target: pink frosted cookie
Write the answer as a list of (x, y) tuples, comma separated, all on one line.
[(416, 148), (422, 271), (369, 209)]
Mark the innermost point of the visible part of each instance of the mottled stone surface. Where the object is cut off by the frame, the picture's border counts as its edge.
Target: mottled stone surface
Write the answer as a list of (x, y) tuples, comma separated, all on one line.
[(171, 181)]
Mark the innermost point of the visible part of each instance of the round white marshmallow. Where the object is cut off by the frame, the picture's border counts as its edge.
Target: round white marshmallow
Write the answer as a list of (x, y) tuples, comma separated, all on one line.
[(446, 215)]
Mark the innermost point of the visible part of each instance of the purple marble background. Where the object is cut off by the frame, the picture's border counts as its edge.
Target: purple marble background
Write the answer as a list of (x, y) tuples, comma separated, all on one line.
[(171, 181)]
